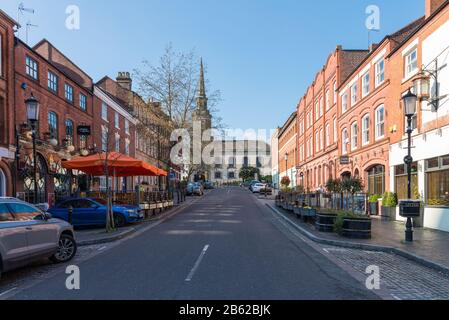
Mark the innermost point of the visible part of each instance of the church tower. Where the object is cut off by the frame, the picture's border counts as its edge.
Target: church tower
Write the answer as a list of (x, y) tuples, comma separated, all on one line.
[(202, 116), (201, 112)]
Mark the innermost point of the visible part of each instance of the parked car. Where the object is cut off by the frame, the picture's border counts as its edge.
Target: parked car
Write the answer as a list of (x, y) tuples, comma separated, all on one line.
[(256, 188), (208, 185), (92, 212), (198, 189), (190, 187), (28, 234), (252, 184)]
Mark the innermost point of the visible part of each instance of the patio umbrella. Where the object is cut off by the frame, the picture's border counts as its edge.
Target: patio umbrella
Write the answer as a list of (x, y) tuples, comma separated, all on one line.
[(119, 165)]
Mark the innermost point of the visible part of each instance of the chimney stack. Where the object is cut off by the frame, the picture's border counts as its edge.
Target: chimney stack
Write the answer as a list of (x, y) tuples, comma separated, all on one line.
[(432, 6), (124, 80)]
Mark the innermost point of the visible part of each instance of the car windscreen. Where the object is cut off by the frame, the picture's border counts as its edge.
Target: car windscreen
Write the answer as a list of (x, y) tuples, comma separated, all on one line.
[(101, 201)]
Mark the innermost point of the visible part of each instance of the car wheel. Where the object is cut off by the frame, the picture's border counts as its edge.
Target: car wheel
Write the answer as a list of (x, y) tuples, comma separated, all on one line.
[(66, 249), (119, 220)]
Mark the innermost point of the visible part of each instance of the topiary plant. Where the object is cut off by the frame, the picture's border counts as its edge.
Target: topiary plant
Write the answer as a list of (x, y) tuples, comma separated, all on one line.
[(374, 198), (390, 200)]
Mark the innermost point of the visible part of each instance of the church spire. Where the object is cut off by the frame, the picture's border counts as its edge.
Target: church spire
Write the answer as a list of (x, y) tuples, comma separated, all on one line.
[(201, 99), (202, 85)]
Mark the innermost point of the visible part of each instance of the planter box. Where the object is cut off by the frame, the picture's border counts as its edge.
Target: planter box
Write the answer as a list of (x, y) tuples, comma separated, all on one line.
[(153, 206), (373, 208), (297, 211), (388, 213), (354, 228), (325, 222), (307, 214)]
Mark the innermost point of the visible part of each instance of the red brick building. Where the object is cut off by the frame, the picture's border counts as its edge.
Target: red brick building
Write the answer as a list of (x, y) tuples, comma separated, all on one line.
[(6, 104), (364, 115), (152, 138), (115, 130), (317, 115), (65, 94)]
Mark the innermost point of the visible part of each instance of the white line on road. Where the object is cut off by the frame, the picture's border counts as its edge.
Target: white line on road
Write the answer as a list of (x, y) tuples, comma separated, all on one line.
[(197, 264), (7, 291)]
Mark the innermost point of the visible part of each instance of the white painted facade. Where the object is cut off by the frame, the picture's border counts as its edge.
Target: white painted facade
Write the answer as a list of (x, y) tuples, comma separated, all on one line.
[(434, 143), (233, 155), (275, 159)]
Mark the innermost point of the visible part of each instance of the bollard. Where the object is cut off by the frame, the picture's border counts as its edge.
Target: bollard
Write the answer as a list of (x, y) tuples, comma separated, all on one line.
[(70, 215)]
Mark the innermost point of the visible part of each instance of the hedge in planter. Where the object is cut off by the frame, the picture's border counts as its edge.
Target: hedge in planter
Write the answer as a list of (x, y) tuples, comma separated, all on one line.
[(389, 204), (373, 204), (353, 226)]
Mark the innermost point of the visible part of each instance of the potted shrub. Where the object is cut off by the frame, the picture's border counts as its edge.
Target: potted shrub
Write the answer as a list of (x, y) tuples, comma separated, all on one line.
[(373, 204), (353, 226), (389, 204), (285, 182), (334, 186), (325, 220)]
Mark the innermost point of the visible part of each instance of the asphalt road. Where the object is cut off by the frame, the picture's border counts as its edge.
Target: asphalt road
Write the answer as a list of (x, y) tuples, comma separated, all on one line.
[(226, 246)]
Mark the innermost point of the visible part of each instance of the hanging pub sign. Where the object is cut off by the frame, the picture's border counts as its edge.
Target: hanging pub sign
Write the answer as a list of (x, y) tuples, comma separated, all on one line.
[(84, 131), (410, 208)]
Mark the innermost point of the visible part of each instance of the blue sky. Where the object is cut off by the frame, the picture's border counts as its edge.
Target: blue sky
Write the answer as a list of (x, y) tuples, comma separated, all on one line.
[(261, 54)]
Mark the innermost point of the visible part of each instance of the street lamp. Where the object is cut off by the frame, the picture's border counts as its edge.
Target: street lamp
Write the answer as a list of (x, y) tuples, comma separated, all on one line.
[(32, 105), (409, 101)]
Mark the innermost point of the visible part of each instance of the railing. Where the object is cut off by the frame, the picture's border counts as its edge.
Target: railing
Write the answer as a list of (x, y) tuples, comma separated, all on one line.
[(337, 201)]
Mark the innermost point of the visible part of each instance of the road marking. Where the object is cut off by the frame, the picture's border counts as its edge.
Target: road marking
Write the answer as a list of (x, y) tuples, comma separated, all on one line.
[(102, 248), (8, 291), (197, 264)]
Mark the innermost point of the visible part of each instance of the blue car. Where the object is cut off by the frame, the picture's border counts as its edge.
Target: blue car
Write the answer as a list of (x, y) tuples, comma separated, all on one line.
[(92, 212)]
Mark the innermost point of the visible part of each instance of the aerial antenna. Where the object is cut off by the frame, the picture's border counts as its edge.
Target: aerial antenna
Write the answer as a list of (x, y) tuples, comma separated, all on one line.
[(20, 10), (29, 25)]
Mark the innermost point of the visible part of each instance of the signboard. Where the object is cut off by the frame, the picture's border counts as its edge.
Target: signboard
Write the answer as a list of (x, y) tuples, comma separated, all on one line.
[(410, 208), (84, 130), (344, 160)]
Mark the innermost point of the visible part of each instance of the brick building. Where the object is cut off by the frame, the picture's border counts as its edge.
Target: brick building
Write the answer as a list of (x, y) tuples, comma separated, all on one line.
[(65, 94), (317, 115), (364, 115), (287, 150), (153, 128), (115, 130), (6, 104), (423, 55)]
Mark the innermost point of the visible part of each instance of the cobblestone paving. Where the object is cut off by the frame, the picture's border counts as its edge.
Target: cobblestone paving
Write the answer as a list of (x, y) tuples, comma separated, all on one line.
[(42, 269), (405, 279)]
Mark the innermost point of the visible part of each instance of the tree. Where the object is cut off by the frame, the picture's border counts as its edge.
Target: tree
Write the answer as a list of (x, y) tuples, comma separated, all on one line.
[(174, 83), (352, 186), (249, 173), (285, 182)]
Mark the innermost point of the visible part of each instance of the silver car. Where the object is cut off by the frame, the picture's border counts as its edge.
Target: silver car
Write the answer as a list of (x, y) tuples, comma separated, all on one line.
[(28, 234)]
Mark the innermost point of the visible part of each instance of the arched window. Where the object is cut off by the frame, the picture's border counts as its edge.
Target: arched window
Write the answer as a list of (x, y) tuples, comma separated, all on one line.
[(354, 136), (380, 122), (53, 125), (344, 141), (376, 180), (69, 132), (365, 129)]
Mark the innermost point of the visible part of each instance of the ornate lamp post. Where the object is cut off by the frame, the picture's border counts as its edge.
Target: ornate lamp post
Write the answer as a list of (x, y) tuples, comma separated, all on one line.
[(286, 164), (32, 105), (410, 101)]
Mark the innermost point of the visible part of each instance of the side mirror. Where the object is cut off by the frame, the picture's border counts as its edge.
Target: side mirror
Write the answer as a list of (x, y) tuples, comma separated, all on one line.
[(47, 216)]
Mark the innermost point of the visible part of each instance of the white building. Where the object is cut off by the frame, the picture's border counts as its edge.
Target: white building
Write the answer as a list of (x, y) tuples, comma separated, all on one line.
[(431, 140), (232, 155), (275, 159)]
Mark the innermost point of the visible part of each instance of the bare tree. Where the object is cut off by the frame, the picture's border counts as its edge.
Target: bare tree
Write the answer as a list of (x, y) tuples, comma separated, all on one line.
[(174, 83)]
